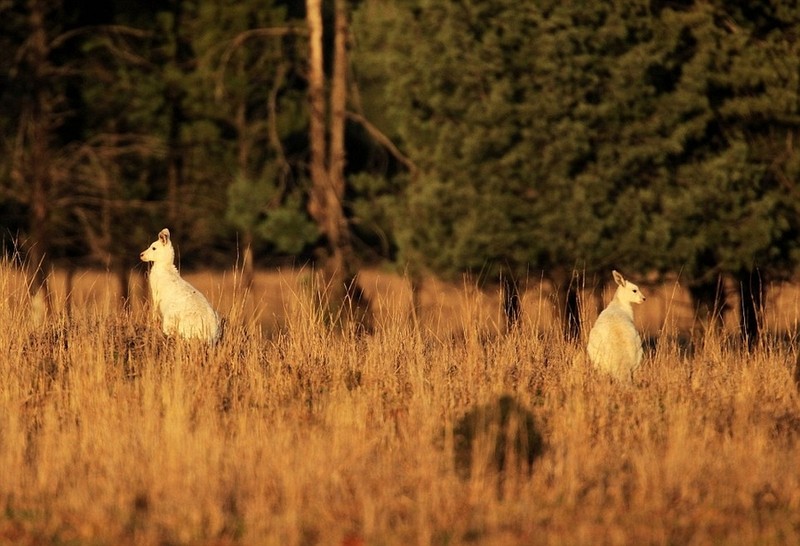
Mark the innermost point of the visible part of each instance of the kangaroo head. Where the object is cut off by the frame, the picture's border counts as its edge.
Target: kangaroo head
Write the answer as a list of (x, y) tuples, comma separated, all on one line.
[(627, 291), (159, 251)]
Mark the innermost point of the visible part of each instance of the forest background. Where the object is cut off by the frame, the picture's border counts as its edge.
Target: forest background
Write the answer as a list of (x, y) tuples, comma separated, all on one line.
[(498, 138)]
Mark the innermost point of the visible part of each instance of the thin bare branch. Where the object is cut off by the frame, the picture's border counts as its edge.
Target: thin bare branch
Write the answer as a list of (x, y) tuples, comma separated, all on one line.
[(384, 141), (274, 137), (111, 30), (242, 37)]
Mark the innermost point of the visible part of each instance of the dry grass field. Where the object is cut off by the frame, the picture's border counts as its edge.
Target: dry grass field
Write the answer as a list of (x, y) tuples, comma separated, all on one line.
[(292, 432)]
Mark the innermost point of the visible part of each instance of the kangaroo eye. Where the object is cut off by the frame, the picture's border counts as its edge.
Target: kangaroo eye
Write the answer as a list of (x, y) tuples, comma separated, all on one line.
[(635, 291), (153, 247)]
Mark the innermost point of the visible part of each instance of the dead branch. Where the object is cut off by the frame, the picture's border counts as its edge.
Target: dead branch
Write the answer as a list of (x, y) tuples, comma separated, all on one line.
[(384, 141)]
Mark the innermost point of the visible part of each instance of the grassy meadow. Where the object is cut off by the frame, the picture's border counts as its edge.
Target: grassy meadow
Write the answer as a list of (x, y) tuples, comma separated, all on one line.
[(292, 432)]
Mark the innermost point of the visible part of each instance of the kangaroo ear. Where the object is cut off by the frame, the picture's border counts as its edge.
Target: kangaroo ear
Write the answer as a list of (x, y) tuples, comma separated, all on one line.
[(618, 278), (163, 236)]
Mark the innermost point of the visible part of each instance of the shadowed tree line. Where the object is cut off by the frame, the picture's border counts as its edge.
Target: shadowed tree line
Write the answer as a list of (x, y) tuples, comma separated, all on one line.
[(492, 138)]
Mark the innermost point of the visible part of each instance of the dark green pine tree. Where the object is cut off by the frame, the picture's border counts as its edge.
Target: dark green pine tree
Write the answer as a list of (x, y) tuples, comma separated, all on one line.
[(503, 107), (449, 98), (625, 134), (731, 204), (249, 71), (203, 95), (151, 132)]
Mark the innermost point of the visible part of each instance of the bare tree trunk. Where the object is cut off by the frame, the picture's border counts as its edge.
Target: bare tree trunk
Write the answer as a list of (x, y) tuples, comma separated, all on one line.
[(341, 247), (321, 195), (38, 244), (33, 166), (317, 205), (248, 269), (569, 311), (796, 374), (244, 146), (69, 289), (39, 282), (326, 200)]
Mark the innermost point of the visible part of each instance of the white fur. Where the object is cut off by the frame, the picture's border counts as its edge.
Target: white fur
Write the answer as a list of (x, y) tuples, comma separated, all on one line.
[(614, 344), (184, 310)]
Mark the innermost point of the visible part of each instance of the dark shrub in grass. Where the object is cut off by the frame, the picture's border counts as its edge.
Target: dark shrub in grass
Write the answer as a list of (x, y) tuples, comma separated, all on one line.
[(500, 436)]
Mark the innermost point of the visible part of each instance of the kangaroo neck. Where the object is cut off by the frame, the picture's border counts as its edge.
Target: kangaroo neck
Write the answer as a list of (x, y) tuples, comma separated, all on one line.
[(164, 267), (625, 306)]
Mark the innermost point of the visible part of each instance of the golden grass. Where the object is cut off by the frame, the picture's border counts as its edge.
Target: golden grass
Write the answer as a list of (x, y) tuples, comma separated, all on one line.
[(291, 432)]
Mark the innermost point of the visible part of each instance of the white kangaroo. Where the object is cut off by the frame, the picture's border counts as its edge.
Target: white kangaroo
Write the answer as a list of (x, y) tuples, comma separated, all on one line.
[(614, 344), (184, 311)]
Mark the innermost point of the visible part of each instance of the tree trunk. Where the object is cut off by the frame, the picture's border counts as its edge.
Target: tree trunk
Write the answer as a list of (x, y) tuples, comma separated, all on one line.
[(33, 165), (569, 311), (751, 290), (341, 246), (317, 203), (248, 269), (244, 146), (326, 199), (123, 280), (69, 288), (796, 375), (512, 301), (571, 320), (177, 117), (710, 301), (38, 243)]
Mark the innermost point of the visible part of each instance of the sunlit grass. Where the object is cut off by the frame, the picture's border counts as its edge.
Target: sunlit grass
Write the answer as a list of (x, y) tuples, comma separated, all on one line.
[(293, 432)]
